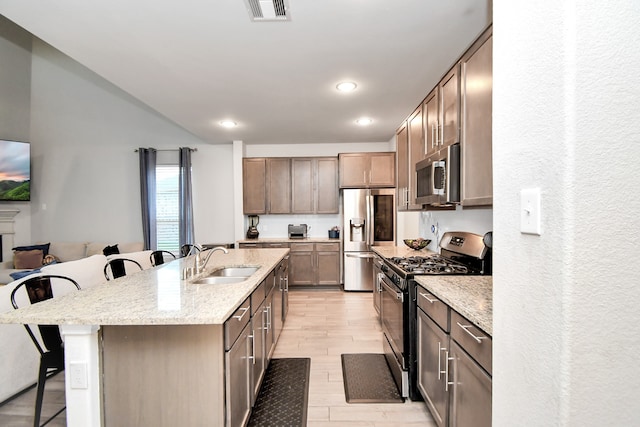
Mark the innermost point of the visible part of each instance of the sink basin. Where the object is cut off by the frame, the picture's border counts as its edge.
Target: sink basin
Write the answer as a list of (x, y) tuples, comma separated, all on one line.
[(219, 280), (234, 272)]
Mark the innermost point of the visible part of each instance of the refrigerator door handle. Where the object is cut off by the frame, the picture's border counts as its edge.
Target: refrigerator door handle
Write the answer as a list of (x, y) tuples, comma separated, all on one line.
[(369, 203)]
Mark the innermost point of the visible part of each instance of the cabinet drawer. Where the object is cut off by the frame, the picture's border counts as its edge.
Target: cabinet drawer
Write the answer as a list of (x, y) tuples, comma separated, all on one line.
[(472, 339), (302, 247), (249, 245), (328, 247), (275, 245), (435, 308), (234, 325)]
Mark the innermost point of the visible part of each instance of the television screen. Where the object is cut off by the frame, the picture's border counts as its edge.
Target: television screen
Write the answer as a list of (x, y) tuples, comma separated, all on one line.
[(15, 171)]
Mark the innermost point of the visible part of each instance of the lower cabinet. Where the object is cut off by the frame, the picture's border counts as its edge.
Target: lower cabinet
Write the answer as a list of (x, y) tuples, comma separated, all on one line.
[(454, 365), (238, 353), (314, 264)]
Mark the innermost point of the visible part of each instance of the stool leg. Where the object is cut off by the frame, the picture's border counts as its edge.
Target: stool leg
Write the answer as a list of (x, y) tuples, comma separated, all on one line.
[(42, 377)]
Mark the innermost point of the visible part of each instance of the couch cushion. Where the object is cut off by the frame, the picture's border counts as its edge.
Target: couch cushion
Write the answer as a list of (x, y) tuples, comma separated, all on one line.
[(97, 247), (68, 251), (28, 259), (42, 246)]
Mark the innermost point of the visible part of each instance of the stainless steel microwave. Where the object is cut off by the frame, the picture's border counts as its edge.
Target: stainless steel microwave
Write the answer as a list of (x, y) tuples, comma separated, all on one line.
[(438, 178)]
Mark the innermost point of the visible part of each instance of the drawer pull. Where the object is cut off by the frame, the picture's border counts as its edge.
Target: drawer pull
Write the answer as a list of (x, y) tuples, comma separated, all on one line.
[(244, 311), (466, 329), (432, 301)]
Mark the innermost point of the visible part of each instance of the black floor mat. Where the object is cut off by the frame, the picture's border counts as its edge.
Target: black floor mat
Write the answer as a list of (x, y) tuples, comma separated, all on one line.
[(367, 379), (284, 393)]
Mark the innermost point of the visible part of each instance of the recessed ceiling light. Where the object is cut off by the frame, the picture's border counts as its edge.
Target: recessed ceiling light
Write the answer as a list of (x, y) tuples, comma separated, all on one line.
[(364, 121), (346, 86), (228, 124)]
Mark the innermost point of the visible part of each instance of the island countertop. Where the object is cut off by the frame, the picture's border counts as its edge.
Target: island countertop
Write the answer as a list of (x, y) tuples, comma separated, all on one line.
[(156, 296)]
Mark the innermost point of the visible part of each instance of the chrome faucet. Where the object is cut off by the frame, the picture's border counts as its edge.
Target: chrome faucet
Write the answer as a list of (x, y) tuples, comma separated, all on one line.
[(199, 265)]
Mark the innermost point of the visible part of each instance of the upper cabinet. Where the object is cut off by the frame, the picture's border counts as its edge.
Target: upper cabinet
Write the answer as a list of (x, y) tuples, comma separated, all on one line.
[(449, 92), (410, 148), (314, 185), (430, 118), (283, 185), (476, 137), (367, 170), (402, 166)]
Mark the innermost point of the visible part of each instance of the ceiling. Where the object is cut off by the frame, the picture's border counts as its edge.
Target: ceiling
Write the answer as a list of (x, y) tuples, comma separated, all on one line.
[(198, 62)]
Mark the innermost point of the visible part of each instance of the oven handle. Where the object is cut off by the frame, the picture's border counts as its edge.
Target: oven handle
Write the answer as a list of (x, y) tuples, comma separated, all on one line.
[(397, 294), (368, 255)]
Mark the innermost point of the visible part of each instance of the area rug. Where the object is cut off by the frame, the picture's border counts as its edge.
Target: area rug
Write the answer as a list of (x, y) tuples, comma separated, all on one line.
[(283, 396), (367, 379)]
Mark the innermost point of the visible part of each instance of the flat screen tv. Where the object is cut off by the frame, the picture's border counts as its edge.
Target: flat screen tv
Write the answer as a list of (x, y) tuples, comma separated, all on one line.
[(15, 171)]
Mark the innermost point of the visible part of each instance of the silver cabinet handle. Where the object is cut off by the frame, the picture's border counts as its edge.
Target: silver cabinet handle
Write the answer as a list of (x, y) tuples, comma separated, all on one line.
[(440, 371), (466, 329), (268, 308), (432, 301), (447, 383), (253, 348), (433, 135), (244, 311)]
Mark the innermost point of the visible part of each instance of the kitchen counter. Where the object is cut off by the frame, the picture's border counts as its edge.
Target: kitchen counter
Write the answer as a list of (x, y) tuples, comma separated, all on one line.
[(156, 296), (471, 296), (288, 240)]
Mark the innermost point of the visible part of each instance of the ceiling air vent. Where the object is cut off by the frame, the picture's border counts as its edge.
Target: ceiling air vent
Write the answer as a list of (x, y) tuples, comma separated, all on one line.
[(268, 10)]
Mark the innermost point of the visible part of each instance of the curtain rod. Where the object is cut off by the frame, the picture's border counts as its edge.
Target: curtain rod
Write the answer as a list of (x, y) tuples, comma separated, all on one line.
[(168, 149)]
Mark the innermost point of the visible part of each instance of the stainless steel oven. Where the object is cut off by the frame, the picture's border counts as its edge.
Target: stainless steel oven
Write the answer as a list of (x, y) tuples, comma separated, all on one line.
[(394, 312)]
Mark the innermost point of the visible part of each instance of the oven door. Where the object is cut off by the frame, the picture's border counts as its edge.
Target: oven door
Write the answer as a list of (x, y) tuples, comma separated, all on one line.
[(391, 314)]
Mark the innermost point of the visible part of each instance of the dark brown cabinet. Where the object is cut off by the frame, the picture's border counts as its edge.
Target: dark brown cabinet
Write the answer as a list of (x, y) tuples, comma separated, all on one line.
[(254, 194), (402, 166), (314, 264), (278, 184), (367, 170), (449, 89)]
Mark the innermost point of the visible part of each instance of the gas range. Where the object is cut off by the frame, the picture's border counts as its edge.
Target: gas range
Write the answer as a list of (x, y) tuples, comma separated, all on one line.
[(460, 253)]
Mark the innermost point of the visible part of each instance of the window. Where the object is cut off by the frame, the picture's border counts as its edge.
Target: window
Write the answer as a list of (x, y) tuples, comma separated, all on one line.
[(167, 211)]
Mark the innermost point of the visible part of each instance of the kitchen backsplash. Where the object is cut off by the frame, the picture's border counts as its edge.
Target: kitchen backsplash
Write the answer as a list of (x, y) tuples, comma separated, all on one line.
[(276, 225), (433, 224)]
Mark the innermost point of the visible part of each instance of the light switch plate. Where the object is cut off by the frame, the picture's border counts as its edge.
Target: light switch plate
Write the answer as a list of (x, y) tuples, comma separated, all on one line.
[(530, 211)]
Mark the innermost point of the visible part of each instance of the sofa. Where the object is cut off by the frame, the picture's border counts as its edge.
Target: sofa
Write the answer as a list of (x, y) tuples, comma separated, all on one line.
[(67, 251), (18, 356)]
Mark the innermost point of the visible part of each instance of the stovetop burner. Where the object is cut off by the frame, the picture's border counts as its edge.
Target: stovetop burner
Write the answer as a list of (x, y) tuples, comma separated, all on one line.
[(434, 264)]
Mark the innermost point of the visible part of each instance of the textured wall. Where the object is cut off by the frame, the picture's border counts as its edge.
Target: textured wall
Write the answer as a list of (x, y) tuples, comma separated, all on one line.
[(565, 303)]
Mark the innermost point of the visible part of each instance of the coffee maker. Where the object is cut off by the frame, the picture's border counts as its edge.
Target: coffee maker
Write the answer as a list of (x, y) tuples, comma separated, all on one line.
[(252, 232)]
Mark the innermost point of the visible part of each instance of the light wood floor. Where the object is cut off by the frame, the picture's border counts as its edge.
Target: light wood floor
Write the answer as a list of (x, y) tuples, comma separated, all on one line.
[(321, 325)]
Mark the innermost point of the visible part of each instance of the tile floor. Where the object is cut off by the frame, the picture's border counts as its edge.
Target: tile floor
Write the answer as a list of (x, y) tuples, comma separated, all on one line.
[(321, 324)]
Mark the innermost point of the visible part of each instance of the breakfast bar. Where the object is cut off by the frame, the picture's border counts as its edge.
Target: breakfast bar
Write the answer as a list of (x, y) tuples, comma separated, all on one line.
[(153, 318)]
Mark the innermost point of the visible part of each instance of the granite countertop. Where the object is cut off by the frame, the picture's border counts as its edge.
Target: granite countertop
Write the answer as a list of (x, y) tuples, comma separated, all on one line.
[(156, 296), (471, 296), (288, 240)]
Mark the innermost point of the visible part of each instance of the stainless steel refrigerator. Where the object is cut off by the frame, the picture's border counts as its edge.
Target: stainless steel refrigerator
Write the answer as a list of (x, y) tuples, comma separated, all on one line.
[(369, 219)]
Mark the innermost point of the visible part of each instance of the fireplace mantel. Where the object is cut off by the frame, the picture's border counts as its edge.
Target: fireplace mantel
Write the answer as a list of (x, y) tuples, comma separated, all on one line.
[(7, 230)]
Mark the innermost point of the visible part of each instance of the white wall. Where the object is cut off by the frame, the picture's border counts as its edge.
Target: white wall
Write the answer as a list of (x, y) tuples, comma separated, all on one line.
[(15, 105), (86, 181), (566, 101), (433, 224)]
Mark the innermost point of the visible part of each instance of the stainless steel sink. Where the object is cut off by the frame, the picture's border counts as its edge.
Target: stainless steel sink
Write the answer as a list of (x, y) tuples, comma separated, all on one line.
[(219, 280), (234, 272)]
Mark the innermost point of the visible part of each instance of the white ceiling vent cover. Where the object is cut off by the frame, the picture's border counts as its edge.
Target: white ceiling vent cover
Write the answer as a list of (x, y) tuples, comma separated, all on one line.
[(268, 10)]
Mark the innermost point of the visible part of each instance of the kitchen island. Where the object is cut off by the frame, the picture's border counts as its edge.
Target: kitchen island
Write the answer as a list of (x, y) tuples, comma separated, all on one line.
[(161, 338)]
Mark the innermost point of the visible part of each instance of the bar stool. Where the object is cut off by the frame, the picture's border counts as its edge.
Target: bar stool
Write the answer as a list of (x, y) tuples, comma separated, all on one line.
[(118, 267), (158, 257)]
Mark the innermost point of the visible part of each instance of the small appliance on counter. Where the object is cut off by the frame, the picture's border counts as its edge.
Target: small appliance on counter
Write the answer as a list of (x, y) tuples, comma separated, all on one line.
[(297, 231), (252, 232)]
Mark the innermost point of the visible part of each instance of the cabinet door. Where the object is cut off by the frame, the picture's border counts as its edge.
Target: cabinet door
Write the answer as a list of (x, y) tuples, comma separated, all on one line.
[(470, 391), (383, 170), (476, 88), (433, 347), (328, 268), (326, 190), (279, 185), (301, 267), (430, 118), (449, 108), (402, 168), (238, 395), (257, 361), (254, 175), (354, 168), (269, 338), (416, 153), (302, 174)]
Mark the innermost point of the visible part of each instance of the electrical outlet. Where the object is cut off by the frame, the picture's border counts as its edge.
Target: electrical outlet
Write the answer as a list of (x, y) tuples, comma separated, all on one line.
[(78, 375), (530, 211)]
